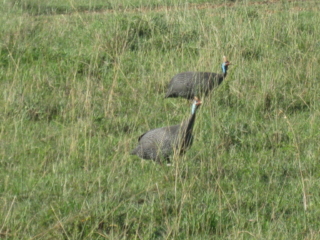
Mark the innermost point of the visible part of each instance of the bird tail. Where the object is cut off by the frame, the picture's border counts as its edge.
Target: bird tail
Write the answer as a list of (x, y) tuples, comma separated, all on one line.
[(133, 152), (167, 95)]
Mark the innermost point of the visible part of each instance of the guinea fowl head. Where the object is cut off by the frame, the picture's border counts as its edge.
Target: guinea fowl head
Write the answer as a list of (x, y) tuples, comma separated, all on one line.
[(196, 103), (225, 65)]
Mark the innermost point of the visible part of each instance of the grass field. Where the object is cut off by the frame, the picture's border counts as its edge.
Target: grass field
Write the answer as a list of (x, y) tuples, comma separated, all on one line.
[(82, 80)]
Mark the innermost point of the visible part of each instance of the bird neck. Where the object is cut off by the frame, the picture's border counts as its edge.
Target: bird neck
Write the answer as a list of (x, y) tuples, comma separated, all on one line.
[(191, 119), (225, 74)]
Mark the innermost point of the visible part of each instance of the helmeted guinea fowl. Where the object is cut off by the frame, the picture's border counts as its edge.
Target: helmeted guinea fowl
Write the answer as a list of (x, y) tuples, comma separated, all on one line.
[(189, 84), (160, 143)]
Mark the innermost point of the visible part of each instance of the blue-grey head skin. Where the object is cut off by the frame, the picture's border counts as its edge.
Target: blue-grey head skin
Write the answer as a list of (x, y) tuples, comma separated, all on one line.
[(225, 67), (161, 143), (196, 102), (190, 84)]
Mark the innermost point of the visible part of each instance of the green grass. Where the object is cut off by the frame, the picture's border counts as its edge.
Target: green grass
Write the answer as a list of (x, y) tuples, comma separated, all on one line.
[(81, 81)]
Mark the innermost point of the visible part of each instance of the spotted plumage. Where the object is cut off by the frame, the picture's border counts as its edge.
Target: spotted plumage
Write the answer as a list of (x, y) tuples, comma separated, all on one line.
[(161, 143), (191, 84)]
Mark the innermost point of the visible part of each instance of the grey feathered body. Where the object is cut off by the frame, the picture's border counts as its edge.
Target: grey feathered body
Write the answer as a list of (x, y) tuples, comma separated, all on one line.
[(161, 143), (191, 84)]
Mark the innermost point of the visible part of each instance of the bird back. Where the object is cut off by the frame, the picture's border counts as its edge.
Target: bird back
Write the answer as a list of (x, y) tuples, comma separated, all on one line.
[(190, 84), (160, 143)]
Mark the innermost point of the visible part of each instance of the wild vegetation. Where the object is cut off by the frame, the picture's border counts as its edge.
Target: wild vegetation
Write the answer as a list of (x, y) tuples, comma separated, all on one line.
[(81, 81)]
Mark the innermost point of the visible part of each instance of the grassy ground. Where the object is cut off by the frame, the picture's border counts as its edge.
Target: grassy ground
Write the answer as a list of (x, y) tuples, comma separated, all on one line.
[(79, 86)]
